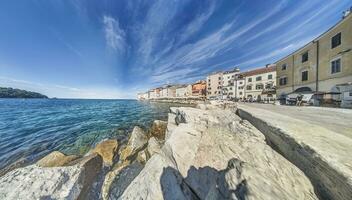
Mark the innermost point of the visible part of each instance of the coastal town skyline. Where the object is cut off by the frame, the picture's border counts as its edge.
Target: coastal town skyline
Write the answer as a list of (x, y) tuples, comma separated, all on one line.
[(119, 48)]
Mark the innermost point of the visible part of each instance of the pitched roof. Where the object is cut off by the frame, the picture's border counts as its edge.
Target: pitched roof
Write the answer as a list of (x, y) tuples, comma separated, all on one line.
[(259, 71)]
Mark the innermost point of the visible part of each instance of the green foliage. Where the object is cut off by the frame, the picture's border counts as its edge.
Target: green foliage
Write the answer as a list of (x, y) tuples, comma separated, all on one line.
[(17, 93)]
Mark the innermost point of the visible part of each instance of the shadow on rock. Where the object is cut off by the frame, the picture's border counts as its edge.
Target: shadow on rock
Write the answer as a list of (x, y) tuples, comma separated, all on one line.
[(205, 183)]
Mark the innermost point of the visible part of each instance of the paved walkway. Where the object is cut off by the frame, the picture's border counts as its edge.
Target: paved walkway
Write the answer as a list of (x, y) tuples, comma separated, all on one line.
[(335, 119), (318, 140)]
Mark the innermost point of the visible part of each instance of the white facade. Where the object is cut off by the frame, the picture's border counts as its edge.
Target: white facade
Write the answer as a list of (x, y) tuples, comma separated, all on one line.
[(181, 92), (240, 84), (151, 94), (214, 85), (229, 84), (259, 86)]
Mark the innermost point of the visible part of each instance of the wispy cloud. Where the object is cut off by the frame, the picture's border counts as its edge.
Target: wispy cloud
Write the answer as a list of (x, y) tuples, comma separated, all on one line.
[(66, 43), (114, 35)]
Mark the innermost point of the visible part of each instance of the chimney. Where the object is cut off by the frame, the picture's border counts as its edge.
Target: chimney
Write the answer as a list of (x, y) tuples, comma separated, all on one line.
[(346, 13)]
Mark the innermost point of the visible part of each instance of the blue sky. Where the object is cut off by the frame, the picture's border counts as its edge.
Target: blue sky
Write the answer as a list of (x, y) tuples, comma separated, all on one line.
[(116, 48)]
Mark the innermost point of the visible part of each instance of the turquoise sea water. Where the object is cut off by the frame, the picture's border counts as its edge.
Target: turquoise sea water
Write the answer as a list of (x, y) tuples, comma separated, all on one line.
[(31, 128)]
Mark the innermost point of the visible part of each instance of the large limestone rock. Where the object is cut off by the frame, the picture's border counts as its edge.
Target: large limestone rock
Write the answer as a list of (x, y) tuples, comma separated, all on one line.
[(213, 154), (171, 124), (55, 159), (107, 149), (35, 182), (158, 129), (153, 146), (137, 141)]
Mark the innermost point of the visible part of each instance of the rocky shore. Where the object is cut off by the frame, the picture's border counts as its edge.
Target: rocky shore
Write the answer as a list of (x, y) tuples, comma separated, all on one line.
[(207, 152)]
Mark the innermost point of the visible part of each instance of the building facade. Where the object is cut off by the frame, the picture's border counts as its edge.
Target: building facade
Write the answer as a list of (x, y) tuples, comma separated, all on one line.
[(181, 91), (229, 83), (199, 89), (259, 84), (214, 85), (321, 67)]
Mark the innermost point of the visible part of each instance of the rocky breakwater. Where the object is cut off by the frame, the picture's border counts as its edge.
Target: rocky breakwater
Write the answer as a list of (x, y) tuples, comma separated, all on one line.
[(210, 153), (199, 153), (105, 170)]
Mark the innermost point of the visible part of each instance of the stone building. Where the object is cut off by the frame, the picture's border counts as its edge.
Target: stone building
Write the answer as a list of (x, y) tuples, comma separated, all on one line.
[(214, 85), (259, 84), (229, 83), (181, 91), (321, 67)]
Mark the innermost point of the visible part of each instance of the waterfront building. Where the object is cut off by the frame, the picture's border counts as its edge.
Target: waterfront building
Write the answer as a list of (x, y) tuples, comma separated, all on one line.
[(181, 91), (168, 91), (199, 89), (259, 84), (240, 87), (229, 83), (151, 94), (157, 92), (214, 85), (189, 90), (322, 67)]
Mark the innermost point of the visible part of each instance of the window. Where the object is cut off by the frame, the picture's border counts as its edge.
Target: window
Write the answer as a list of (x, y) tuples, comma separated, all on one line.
[(336, 66), (283, 81), (249, 79), (228, 77), (336, 40), (249, 87), (305, 57), (241, 83), (304, 75), (259, 87), (258, 78), (268, 85), (270, 76), (240, 88), (283, 67), (241, 93)]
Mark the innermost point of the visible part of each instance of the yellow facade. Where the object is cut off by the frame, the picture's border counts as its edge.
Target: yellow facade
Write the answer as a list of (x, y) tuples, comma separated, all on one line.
[(321, 54)]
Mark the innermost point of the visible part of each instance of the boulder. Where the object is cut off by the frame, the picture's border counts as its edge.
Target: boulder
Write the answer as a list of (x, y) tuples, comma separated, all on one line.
[(137, 141), (91, 165), (35, 182), (158, 129), (110, 177), (153, 146), (171, 124), (142, 157), (55, 159), (107, 149)]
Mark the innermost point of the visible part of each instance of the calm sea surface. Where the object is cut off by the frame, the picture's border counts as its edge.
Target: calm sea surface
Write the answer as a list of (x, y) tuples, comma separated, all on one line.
[(31, 128)]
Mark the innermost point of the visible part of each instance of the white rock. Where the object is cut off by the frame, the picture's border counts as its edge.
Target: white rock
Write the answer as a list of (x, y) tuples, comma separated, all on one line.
[(34, 182), (153, 146)]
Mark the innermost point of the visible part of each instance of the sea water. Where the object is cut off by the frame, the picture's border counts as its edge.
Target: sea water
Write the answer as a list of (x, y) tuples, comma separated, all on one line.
[(31, 128)]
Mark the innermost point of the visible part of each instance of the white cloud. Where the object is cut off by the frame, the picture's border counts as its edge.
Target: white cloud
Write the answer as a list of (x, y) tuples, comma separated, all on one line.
[(114, 35)]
